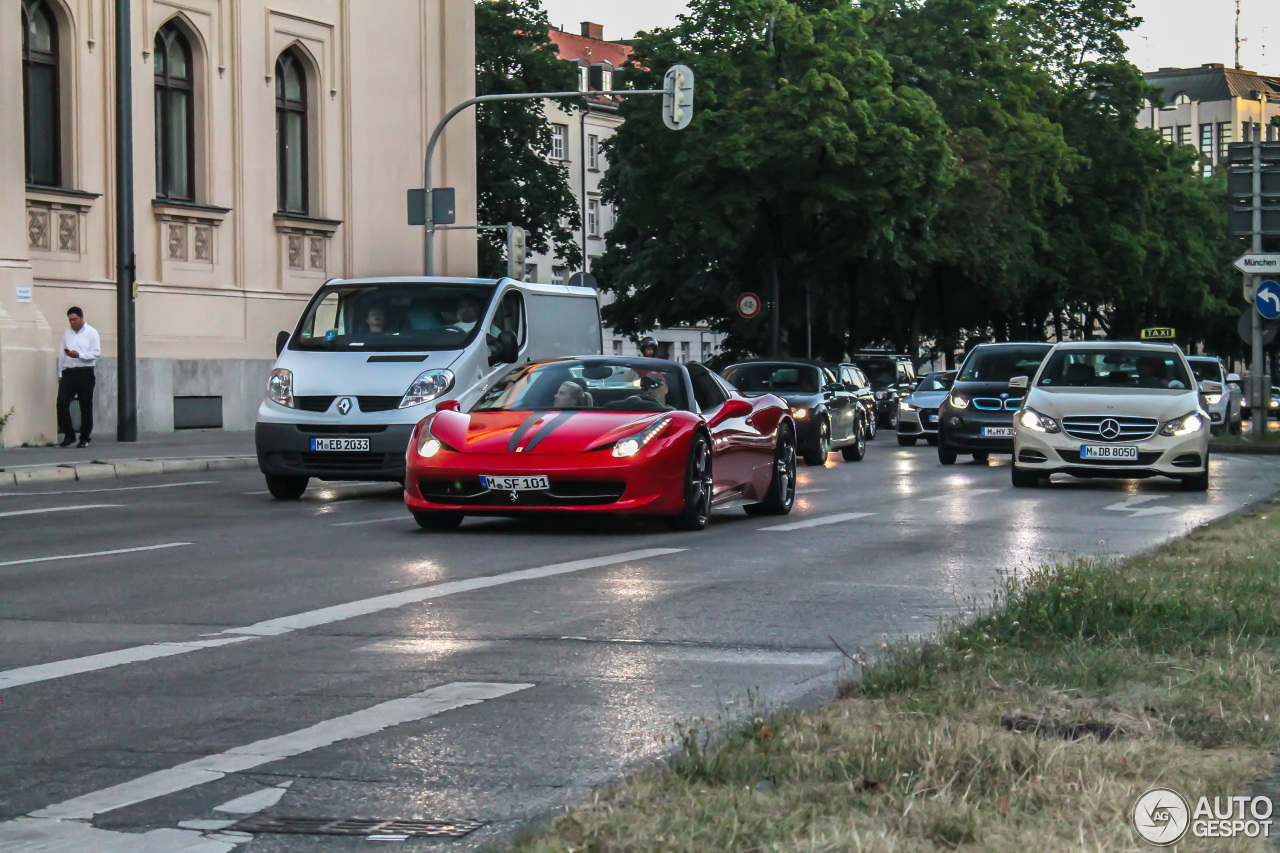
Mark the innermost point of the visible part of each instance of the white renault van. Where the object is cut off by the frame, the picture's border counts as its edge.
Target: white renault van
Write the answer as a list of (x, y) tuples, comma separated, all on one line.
[(372, 357)]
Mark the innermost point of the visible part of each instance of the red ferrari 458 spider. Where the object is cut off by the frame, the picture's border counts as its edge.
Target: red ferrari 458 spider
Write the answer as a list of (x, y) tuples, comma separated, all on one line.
[(600, 434)]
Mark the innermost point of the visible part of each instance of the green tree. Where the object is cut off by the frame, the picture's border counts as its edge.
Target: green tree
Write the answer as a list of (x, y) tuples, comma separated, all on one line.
[(517, 182)]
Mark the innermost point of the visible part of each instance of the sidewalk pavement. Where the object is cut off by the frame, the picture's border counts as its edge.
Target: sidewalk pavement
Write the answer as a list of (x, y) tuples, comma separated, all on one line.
[(183, 451)]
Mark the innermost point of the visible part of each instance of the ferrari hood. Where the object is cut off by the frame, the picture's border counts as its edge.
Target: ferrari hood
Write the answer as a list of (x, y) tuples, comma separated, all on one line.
[(536, 433)]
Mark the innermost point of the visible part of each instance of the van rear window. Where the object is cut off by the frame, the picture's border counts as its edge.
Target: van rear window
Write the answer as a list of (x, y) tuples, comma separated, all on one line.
[(393, 317)]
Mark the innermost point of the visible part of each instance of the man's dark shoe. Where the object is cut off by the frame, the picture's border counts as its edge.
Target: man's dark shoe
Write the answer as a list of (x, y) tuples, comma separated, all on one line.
[(84, 442), (68, 441)]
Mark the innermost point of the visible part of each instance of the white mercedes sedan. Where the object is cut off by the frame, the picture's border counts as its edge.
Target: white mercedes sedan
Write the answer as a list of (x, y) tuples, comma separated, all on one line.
[(1111, 409)]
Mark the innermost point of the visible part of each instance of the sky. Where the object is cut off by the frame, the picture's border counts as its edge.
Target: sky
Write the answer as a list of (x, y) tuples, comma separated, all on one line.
[(1174, 33)]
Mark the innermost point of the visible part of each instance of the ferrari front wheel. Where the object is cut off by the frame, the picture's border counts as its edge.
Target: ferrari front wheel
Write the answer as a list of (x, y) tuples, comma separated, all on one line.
[(697, 488), (781, 496), (438, 520)]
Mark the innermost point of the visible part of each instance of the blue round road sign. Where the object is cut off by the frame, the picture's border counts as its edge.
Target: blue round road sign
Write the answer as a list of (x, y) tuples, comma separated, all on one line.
[(1267, 299)]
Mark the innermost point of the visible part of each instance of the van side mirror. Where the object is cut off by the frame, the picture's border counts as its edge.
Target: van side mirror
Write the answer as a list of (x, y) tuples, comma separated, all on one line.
[(503, 348), (282, 338), (1019, 382)]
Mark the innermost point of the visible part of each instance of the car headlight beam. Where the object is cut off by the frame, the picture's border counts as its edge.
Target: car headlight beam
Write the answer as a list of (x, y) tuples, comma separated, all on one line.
[(280, 387), (904, 406), (1033, 420), (800, 413), (1185, 425), (631, 445), (429, 385), (958, 402)]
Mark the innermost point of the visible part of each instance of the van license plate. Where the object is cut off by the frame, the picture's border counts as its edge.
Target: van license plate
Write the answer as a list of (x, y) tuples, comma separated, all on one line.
[(339, 444), (538, 482), (1095, 451), (997, 432)]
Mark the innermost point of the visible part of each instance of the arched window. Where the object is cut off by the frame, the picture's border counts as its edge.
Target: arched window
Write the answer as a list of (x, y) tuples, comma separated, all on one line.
[(40, 94), (1181, 99), (291, 134), (175, 152)]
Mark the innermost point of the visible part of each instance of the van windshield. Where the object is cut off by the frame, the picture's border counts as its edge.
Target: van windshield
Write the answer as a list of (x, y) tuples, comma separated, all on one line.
[(393, 317)]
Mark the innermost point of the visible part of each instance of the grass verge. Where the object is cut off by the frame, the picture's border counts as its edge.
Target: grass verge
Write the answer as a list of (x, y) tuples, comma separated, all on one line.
[(1034, 727)]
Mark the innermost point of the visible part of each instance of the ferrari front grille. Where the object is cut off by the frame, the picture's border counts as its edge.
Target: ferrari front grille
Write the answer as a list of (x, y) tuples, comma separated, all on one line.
[(467, 491)]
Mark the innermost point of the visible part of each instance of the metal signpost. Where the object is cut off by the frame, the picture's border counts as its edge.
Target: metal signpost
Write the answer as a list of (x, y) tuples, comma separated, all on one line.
[(126, 271), (1254, 188), (677, 113)]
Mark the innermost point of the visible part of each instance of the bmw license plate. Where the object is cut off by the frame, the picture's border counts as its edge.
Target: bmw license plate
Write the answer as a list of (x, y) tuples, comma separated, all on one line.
[(339, 444), (997, 432), (1104, 451), (536, 482)]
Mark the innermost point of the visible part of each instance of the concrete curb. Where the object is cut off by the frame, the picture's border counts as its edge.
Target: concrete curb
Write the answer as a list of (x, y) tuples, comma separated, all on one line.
[(111, 469), (1245, 449)]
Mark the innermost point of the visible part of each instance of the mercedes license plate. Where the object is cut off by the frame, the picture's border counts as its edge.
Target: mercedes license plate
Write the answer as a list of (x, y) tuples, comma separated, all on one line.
[(536, 482), (339, 444), (1105, 451), (997, 432)]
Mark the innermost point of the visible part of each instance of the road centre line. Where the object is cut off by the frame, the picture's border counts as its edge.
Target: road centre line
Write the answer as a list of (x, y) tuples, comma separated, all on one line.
[(818, 522), (310, 619), (401, 517), (115, 489), (368, 721), (70, 508), (967, 493), (112, 552)]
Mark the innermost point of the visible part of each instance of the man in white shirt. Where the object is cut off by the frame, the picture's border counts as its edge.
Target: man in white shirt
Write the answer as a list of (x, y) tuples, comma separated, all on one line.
[(80, 350)]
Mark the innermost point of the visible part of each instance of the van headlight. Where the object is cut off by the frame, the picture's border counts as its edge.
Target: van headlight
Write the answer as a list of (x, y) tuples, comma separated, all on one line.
[(280, 387), (428, 386), (1185, 425), (1031, 419), (958, 402), (632, 445)]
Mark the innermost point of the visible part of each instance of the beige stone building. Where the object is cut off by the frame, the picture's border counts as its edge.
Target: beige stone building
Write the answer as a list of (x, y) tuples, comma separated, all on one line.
[(274, 142)]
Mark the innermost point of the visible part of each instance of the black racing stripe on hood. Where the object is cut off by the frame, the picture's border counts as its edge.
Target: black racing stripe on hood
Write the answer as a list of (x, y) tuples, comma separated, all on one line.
[(551, 426), (520, 431)]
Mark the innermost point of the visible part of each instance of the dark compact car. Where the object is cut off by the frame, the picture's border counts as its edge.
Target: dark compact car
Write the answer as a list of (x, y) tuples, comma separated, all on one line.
[(892, 377), (827, 415), (977, 415), (857, 384)]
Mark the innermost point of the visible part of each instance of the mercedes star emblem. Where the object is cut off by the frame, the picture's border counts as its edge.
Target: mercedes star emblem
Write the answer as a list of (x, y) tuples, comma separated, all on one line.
[(344, 405), (1110, 429)]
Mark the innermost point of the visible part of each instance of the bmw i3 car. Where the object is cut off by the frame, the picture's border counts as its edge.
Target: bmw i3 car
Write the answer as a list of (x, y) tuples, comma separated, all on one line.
[(1108, 409), (977, 416)]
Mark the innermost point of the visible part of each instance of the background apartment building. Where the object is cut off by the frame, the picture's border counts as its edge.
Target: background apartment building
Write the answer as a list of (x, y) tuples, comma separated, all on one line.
[(576, 140), (274, 143), (1212, 106)]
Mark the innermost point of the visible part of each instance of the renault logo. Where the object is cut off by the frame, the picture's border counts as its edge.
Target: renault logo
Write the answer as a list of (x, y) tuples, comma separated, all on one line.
[(344, 405), (1110, 429)]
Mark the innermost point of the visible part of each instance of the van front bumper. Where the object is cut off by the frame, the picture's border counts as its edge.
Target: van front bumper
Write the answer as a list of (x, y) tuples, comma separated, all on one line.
[(285, 450)]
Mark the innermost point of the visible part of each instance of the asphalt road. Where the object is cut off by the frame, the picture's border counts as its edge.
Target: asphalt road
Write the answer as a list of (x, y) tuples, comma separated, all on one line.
[(215, 654)]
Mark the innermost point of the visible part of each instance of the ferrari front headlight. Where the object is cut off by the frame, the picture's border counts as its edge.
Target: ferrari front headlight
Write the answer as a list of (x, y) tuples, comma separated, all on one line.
[(632, 445)]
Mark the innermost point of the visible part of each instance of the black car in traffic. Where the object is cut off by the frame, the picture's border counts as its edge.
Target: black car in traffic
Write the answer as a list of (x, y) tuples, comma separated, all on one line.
[(892, 377), (977, 415), (827, 415)]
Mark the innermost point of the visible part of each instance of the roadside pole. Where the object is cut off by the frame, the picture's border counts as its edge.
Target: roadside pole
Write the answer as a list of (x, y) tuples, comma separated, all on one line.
[(126, 342), (1259, 383)]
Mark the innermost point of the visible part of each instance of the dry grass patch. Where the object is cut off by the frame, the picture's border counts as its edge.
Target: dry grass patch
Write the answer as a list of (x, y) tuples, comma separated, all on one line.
[(1034, 727)]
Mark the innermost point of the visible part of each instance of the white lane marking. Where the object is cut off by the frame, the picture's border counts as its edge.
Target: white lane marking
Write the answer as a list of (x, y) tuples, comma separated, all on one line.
[(810, 491), (401, 517), (970, 493), (94, 554), (324, 616), (820, 521), (263, 492), (70, 508), (1131, 506), (255, 802), (363, 723), (114, 489), (30, 835)]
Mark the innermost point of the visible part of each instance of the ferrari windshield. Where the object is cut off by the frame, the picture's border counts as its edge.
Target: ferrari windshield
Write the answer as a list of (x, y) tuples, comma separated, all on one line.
[(1001, 363), (1115, 368), (599, 384), (775, 378), (393, 317)]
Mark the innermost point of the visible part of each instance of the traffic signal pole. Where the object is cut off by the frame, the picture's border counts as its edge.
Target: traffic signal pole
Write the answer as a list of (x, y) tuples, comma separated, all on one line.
[(126, 272), (1260, 389)]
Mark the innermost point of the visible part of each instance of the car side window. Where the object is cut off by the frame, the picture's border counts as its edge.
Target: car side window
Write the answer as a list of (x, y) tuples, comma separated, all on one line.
[(706, 390), (828, 378), (510, 316)]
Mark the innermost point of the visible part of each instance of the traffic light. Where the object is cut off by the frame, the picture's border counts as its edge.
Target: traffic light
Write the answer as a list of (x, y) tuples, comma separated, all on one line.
[(677, 97), (515, 252), (1240, 188)]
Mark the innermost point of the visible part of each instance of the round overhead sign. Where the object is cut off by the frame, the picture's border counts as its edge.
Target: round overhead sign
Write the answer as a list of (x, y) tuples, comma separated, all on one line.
[(749, 306)]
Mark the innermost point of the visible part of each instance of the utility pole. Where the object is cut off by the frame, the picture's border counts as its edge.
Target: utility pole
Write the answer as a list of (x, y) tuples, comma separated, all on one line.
[(1237, 33), (1262, 392), (126, 270)]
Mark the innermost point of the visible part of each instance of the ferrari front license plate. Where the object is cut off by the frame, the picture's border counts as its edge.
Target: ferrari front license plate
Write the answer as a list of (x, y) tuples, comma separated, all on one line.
[(997, 432), (534, 483), (1103, 451), (339, 444)]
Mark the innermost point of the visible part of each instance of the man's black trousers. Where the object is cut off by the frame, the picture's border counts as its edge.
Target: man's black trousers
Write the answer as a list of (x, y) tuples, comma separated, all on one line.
[(77, 384)]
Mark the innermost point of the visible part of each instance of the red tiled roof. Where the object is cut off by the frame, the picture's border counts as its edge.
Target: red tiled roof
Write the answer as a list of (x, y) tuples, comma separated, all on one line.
[(575, 47)]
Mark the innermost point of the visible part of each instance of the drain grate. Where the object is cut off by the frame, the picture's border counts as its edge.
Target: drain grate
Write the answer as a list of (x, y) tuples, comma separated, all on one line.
[(407, 828)]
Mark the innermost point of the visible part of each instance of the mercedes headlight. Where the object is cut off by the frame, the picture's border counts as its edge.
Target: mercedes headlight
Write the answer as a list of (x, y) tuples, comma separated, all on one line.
[(280, 387), (1031, 419), (800, 413), (1185, 425), (428, 386), (632, 445), (958, 402)]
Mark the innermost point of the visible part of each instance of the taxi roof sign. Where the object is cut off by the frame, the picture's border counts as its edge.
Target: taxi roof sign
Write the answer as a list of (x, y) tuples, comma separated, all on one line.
[(1159, 334)]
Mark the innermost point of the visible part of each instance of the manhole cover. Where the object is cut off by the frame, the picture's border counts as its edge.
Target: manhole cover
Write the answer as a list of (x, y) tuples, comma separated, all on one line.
[(358, 826)]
